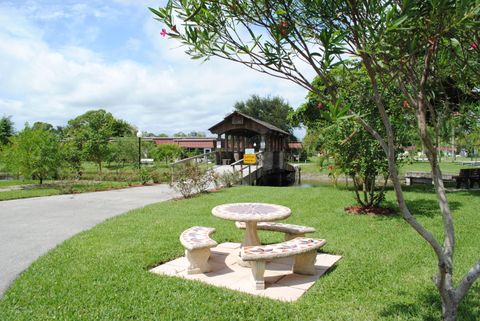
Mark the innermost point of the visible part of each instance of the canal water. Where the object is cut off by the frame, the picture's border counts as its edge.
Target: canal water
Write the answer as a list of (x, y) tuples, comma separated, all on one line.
[(289, 178), (278, 178)]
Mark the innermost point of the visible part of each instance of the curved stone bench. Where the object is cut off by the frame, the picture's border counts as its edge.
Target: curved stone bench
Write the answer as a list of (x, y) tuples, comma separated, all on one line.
[(291, 230), (304, 250), (197, 243)]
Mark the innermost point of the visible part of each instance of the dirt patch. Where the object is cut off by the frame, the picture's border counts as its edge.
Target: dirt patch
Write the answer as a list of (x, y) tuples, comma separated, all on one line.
[(366, 210)]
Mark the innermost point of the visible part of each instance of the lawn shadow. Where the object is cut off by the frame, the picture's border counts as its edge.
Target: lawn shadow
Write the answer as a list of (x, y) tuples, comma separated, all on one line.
[(428, 207), (429, 189), (428, 307), (466, 192), (419, 207), (421, 188), (330, 270)]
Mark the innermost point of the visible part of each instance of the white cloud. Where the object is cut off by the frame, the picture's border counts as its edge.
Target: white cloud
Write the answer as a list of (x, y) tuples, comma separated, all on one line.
[(175, 93), (133, 44), (72, 10)]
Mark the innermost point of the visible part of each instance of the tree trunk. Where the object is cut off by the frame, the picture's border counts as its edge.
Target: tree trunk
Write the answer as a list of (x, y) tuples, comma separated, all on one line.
[(356, 188), (449, 309), (371, 200), (444, 253), (454, 150), (365, 193)]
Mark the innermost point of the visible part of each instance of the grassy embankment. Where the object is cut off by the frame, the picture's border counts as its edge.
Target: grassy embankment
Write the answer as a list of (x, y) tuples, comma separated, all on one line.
[(57, 188)]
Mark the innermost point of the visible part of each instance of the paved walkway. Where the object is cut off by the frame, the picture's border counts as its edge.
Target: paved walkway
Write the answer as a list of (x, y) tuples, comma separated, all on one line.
[(31, 227)]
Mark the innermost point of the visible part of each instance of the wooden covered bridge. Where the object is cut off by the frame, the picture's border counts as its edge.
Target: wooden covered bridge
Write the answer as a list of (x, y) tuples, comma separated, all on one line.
[(237, 132)]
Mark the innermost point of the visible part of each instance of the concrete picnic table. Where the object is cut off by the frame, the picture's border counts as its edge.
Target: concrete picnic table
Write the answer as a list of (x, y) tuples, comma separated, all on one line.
[(251, 214)]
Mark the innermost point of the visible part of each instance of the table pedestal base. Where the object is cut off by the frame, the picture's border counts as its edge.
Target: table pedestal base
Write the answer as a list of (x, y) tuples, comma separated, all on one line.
[(250, 239)]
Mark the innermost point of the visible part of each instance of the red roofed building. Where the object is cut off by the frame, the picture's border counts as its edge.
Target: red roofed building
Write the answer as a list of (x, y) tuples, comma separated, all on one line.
[(295, 145), (207, 144)]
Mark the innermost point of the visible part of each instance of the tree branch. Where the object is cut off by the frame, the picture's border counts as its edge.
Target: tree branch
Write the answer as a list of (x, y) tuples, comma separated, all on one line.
[(371, 131), (471, 276), (393, 170)]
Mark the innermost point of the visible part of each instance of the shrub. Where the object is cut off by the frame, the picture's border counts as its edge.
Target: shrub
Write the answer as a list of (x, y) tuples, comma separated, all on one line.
[(144, 176), (229, 179), (156, 176), (66, 188), (190, 180)]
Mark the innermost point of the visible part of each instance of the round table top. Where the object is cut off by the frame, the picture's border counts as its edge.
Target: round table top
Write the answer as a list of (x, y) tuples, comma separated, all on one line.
[(251, 212)]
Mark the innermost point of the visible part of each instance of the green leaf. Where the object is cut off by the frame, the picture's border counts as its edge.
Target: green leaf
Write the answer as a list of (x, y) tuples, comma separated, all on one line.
[(396, 24)]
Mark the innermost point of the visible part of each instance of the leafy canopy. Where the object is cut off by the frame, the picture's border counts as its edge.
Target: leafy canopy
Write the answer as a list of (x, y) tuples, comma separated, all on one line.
[(6, 129), (273, 110), (339, 137), (91, 132), (167, 152), (34, 153)]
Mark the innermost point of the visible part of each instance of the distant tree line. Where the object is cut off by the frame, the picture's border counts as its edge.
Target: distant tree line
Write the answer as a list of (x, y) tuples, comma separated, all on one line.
[(41, 151)]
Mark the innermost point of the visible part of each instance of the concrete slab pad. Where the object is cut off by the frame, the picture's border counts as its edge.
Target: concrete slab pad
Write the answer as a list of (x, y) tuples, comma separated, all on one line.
[(167, 269), (179, 262), (302, 282), (325, 261), (280, 283), (283, 293), (228, 245)]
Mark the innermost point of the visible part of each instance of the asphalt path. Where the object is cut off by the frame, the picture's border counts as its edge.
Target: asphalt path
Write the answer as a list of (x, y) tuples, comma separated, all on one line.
[(31, 227)]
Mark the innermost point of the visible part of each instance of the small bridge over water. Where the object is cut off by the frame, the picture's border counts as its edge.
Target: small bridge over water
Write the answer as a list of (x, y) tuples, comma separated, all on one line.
[(238, 132)]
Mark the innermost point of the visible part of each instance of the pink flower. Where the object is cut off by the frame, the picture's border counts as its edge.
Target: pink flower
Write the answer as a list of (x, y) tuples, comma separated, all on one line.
[(163, 33), (474, 45)]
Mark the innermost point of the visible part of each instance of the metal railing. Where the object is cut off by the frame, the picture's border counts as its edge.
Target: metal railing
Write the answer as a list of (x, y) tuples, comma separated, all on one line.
[(204, 158), (195, 158), (243, 166)]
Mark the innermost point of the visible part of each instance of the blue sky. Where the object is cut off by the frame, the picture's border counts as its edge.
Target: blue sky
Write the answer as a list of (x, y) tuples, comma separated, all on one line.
[(59, 59)]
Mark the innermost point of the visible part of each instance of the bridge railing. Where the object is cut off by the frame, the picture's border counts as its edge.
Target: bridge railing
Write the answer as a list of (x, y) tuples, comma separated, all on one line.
[(240, 167), (204, 159)]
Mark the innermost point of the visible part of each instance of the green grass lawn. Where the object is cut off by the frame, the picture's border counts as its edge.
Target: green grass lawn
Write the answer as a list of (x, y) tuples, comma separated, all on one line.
[(448, 167), (27, 193), (385, 273), (14, 182), (50, 188)]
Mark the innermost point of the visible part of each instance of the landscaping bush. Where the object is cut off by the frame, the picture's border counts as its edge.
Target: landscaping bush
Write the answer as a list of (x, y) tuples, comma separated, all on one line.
[(156, 176), (190, 180), (229, 179), (144, 176), (203, 180), (66, 187)]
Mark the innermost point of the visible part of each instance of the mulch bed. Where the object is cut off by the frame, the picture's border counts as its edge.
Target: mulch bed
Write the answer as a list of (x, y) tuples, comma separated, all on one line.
[(356, 209)]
